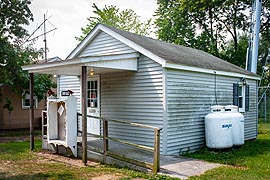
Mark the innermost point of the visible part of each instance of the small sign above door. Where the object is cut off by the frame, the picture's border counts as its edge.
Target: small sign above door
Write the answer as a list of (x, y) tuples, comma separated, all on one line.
[(65, 93)]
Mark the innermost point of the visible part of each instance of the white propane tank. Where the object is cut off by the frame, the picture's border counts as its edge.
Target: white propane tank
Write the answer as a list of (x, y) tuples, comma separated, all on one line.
[(218, 129), (237, 120)]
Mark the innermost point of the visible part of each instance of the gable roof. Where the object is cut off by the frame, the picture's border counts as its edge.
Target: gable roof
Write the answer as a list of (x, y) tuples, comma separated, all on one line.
[(180, 54), (163, 52)]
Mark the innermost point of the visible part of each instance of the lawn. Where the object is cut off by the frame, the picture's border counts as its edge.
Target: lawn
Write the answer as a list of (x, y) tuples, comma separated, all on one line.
[(17, 163), (251, 161)]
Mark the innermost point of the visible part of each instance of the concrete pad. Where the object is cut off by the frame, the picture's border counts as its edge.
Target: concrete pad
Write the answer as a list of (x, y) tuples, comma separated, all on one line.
[(182, 167)]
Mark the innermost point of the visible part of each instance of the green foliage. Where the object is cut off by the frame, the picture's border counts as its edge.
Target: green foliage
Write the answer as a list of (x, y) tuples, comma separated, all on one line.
[(201, 24), (219, 27), (112, 16), (173, 24), (264, 44), (237, 57), (14, 14), (251, 161), (8, 105), (42, 84)]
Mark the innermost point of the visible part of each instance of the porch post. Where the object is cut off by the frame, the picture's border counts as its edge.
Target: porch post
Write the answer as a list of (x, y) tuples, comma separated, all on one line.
[(31, 110), (84, 116)]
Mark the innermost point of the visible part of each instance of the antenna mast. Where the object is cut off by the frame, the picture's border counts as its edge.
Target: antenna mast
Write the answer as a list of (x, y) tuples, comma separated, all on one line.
[(45, 41), (43, 34)]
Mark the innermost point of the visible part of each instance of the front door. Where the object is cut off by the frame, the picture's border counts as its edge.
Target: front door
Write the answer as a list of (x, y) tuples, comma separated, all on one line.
[(93, 105)]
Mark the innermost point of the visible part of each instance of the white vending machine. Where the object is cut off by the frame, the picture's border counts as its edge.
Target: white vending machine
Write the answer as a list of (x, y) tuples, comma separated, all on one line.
[(62, 122)]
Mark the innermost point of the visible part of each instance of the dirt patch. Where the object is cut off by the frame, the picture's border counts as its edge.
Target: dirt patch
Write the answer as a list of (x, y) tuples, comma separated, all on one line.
[(107, 177), (67, 160)]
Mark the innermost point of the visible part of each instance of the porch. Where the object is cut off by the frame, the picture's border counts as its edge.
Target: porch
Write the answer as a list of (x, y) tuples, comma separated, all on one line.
[(83, 68)]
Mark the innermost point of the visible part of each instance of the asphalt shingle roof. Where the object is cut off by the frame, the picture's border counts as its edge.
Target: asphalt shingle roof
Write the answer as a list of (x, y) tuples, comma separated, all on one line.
[(180, 54)]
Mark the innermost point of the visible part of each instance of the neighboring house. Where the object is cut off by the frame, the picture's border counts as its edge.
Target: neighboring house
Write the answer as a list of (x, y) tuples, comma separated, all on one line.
[(139, 79), (19, 116)]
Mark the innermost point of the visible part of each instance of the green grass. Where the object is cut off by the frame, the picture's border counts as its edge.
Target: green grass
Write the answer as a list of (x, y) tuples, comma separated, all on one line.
[(251, 161), (15, 151), (14, 133), (17, 162)]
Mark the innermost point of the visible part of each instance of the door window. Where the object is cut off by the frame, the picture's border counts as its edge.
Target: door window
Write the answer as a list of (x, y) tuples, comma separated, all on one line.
[(92, 94)]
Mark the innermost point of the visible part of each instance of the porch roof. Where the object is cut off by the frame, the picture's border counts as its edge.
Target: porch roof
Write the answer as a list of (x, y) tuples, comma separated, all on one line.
[(97, 64)]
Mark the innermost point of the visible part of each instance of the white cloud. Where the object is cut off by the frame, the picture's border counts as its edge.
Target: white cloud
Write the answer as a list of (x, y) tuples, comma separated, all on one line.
[(70, 16)]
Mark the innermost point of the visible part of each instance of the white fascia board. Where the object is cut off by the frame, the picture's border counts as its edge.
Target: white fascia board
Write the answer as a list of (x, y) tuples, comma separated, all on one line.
[(122, 64), (84, 42), (133, 45), (51, 65), (208, 71), (89, 59)]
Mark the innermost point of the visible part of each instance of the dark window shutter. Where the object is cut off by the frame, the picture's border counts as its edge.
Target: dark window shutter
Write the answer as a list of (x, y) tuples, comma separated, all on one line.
[(235, 94), (247, 98)]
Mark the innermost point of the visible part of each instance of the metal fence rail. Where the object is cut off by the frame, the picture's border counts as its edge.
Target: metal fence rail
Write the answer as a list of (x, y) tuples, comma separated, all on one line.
[(155, 166)]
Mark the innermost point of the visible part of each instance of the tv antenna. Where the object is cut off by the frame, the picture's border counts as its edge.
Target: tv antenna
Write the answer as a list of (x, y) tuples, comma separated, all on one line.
[(43, 34)]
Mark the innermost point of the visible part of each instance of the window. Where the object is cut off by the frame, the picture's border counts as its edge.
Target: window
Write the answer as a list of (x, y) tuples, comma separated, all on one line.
[(92, 93), (241, 96), (26, 100)]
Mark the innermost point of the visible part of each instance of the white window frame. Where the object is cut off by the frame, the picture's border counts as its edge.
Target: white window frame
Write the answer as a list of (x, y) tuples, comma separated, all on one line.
[(26, 96), (243, 96)]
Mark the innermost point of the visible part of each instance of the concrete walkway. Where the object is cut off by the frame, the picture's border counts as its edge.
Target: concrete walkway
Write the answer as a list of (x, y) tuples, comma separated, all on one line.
[(174, 166), (181, 167)]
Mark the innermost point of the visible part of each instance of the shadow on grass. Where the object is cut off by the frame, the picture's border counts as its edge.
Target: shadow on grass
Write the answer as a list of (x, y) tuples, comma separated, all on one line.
[(38, 176)]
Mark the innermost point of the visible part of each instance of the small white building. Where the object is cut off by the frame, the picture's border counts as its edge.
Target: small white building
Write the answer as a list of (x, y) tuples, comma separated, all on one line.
[(139, 79)]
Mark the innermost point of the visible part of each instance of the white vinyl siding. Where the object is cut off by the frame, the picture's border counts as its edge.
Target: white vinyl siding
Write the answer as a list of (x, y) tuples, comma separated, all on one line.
[(134, 97), (71, 83), (104, 44), (189, 97)]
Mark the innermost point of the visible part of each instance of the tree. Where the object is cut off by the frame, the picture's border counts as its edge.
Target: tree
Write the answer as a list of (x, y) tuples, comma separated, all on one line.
[(237, 57), (172, 24), (14, 14), (211, 22), (189, 22), (112, 16), (219, 27), (264, 53)]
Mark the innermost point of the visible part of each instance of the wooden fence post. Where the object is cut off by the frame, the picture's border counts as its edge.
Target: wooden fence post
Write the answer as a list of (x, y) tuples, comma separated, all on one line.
[(105, 140), (31, 110), (156, 166), (84, 116)]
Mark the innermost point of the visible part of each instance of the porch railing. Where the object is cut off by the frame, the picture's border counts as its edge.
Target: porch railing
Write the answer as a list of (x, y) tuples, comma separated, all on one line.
[(155, 166)]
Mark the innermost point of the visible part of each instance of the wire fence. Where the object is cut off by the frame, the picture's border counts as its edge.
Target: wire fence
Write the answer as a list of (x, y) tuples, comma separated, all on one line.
[(264, 105)]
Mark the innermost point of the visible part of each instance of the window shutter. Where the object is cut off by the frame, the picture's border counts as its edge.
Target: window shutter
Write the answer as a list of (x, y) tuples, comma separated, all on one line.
[(235, 94), (247, 98)]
